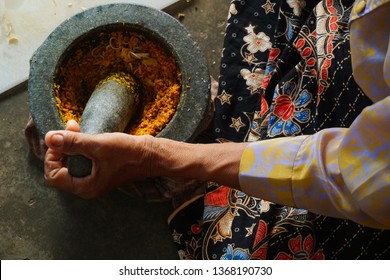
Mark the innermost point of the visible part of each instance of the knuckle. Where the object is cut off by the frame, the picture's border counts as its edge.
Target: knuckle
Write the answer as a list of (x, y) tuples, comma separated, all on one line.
[(70, 141)]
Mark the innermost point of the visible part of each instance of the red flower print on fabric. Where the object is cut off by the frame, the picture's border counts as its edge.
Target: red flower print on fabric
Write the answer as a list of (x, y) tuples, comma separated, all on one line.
[(301, 250)]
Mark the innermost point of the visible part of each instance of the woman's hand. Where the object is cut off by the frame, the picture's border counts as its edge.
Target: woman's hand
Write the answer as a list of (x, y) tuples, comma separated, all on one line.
[(120, 157), (116, 158)]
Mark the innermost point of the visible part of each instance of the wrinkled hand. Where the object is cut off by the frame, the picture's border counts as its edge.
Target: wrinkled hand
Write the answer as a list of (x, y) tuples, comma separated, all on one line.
[(116, 158)]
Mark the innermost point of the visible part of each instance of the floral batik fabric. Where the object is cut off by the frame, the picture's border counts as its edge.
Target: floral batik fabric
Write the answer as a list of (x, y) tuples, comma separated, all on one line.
[(285, 71)]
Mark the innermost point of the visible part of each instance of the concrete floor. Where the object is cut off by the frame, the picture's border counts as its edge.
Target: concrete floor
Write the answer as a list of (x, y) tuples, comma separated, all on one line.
[(37, 222)]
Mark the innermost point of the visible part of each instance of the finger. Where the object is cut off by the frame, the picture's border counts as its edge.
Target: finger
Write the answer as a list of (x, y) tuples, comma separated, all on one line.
[(53, 156), (57, 175), (55, 172), (72, 125), (60, 179), (69, 142)]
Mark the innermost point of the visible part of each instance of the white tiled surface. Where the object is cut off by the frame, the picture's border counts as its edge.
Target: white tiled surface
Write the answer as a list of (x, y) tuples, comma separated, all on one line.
[(24, 25)]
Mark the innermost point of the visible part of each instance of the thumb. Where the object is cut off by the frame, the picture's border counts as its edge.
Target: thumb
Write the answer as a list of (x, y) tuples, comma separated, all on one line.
[(67, 142)]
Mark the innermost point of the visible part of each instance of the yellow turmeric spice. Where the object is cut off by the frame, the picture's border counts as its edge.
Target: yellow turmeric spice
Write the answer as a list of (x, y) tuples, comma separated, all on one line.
[(128, 52)]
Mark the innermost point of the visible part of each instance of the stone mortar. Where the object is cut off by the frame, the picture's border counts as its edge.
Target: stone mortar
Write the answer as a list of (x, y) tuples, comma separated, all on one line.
[(157, 25)]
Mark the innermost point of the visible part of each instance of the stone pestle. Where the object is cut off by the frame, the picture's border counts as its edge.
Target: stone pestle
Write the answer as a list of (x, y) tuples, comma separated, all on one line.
[(109, 109)]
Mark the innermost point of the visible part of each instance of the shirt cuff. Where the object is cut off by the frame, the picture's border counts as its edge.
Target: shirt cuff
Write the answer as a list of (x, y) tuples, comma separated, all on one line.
[(266, 169)]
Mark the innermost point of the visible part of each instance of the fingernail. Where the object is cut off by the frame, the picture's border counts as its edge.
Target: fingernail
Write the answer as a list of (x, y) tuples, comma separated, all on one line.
[(70, 123), (57, 140)]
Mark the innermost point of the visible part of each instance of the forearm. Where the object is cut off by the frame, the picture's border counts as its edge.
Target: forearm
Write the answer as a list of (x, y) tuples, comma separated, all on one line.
[(205, 162)]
